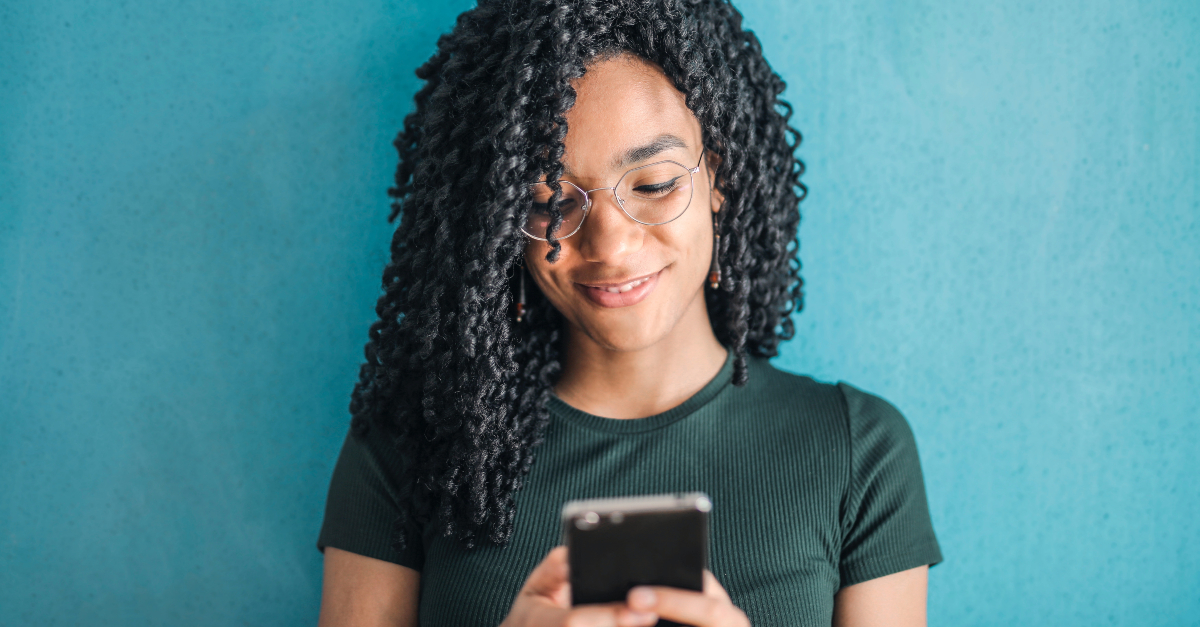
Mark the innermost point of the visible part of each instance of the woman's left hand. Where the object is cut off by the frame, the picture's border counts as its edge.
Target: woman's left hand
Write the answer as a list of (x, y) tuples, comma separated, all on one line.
[(711, 608)]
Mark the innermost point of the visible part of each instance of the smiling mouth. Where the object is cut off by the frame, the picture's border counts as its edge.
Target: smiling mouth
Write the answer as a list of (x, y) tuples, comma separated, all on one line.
[(624, 287), (621, 294)]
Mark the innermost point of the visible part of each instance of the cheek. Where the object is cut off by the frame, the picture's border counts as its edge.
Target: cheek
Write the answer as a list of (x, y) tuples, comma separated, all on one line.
[(692, 244), (547, 277)]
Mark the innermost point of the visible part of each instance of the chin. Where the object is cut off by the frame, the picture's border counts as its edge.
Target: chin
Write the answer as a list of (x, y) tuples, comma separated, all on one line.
[(624, 338)]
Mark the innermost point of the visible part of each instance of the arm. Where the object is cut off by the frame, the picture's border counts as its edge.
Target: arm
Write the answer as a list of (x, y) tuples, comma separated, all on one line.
[(889, 543), (363, 591), (896, 600)]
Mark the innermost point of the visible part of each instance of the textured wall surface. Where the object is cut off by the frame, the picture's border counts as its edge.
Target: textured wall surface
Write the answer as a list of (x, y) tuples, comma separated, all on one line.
[(1002, 238)]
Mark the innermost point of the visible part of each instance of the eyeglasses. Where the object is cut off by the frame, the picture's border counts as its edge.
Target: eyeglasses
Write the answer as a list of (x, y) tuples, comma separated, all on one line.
[(651, 194)]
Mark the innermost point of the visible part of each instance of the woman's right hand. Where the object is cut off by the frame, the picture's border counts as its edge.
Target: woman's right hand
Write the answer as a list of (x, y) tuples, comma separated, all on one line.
[(545, 601)]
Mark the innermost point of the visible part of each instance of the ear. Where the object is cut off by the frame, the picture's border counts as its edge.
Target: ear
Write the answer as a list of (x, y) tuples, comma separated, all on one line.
[(711, 162)]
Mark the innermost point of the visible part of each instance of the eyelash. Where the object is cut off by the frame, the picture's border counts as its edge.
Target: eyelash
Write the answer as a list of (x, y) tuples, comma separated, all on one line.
[(661, 189), (544, 207), (667, 186)]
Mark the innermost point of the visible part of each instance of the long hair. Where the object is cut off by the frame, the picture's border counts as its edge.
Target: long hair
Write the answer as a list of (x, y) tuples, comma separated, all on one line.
[(459, 386)]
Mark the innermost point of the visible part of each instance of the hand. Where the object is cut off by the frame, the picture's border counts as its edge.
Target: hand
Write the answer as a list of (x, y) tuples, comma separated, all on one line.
[(711, 608), (545, 600)]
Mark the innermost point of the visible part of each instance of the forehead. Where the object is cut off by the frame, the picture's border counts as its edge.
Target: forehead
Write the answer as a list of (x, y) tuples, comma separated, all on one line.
[(621, 103)]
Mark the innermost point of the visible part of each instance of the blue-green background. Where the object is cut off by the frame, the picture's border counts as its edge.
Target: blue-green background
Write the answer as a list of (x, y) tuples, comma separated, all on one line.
[(1001, 238)]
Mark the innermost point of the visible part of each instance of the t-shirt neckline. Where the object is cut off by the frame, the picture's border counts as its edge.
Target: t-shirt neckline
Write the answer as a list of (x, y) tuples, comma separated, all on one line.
[(560, 408)]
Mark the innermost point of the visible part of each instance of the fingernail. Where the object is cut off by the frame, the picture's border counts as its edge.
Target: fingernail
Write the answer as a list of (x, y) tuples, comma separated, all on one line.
[(643, 597)]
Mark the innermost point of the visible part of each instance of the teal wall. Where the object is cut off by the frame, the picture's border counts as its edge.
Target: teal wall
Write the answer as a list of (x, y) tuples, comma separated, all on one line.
[(1001, 238)]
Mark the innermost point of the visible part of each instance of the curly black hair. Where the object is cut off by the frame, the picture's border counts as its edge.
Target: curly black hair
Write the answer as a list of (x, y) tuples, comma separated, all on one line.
[(459, 386)]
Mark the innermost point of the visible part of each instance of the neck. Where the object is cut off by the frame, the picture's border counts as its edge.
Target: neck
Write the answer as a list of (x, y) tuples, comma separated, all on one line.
[(643, 382)]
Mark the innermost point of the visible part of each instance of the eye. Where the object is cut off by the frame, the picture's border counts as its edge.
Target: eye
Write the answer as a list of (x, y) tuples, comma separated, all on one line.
[(653, 189), (565, 206)]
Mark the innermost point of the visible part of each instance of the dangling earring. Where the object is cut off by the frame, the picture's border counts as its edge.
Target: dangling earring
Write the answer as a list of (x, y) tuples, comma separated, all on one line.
[(714, 270), (520, 307)]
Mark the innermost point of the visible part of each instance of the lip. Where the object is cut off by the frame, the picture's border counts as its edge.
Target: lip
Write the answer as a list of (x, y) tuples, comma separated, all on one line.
[(605, 298)]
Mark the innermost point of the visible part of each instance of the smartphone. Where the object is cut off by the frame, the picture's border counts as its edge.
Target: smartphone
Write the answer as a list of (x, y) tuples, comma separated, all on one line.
[(614, 544)]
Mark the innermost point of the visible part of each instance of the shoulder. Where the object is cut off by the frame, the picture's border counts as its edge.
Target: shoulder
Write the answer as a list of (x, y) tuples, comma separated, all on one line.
[(840, 406), (794, 408), (875, 423), (771, 385), (369, 454)]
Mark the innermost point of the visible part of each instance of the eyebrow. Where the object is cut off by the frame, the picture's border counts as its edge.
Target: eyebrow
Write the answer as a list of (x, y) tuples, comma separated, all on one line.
[(663, 142)]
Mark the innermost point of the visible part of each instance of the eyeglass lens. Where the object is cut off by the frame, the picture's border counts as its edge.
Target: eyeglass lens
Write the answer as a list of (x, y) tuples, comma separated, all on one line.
[(651, 194)]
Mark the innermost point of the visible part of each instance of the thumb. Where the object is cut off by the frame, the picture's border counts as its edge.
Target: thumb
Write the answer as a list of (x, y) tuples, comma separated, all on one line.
[(550, 575)]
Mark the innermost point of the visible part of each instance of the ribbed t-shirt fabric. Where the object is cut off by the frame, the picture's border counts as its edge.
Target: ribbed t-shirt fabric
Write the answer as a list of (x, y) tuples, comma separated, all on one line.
[(815, 486)]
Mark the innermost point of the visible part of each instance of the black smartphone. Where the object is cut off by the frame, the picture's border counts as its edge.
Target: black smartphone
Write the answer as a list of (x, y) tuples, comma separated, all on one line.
[(614, 544)]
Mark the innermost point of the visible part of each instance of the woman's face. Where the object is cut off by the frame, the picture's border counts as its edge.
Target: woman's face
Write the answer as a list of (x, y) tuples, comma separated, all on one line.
[(626, 114)]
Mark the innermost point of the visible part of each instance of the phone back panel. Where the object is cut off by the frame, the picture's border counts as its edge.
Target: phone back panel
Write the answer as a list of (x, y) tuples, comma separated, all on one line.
[(653, 548)]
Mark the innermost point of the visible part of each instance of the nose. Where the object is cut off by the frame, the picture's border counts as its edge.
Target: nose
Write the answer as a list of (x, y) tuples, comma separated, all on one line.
[(608, 235)]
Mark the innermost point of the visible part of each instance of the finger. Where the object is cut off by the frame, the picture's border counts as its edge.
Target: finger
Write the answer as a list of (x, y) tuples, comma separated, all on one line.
[(608, 615), (550, 574), (713, 588), (627, 617), (686, 606)]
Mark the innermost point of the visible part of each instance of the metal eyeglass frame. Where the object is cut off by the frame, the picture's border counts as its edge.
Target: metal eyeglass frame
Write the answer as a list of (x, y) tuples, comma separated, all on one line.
[(587, 200)]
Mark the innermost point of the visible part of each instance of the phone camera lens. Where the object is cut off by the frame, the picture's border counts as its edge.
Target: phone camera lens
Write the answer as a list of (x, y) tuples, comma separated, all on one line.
[(587, 521)]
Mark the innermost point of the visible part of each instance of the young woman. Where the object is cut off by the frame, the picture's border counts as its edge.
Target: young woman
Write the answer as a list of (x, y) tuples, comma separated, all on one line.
[(596, 255)]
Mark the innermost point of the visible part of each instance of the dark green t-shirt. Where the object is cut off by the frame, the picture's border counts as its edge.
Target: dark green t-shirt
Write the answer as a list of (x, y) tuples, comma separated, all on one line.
[(814, 486)]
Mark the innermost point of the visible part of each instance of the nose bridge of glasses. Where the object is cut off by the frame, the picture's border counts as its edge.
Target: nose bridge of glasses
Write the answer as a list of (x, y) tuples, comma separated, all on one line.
[(591, 199), (599, 189)]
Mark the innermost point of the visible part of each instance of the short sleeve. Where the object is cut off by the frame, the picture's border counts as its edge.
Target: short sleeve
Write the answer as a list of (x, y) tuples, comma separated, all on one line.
[(886, 524), (362, 507)]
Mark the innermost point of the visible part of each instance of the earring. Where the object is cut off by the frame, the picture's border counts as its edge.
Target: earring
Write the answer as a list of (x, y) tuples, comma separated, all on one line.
[(714, 270), (520, 307)]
